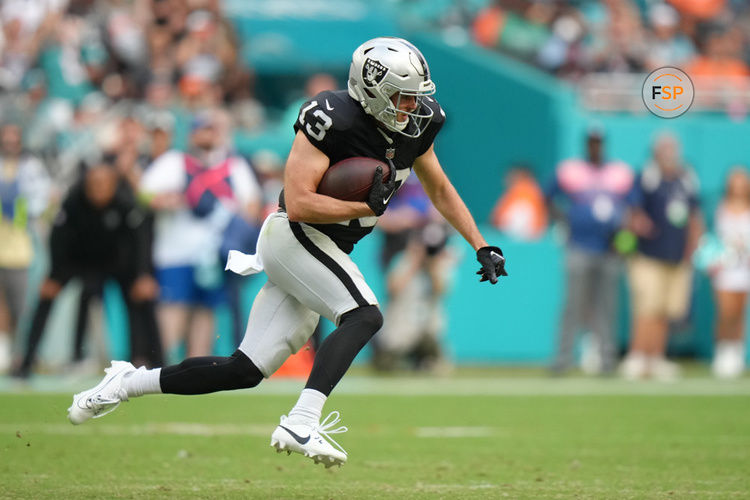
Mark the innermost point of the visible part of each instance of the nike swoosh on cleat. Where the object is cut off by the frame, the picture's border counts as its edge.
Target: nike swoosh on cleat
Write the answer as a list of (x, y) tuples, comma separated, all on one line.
[(296, 437)]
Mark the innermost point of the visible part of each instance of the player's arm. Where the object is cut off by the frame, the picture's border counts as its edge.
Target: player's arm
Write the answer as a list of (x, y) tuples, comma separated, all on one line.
[(304, 169), (446, 199)]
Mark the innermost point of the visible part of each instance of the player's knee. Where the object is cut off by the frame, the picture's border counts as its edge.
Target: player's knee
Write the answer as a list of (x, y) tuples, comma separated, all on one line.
[(369, 318), (243, 371)]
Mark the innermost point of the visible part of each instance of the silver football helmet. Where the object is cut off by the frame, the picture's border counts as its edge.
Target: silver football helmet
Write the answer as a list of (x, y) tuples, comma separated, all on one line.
[(385, 66)]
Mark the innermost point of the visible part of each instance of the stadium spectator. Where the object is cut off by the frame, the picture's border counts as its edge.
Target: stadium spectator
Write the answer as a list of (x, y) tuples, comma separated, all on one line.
[(130, 160), (700, 9), (159, 126), (270, 171), (97, 235), (565, 53), (619, 44), (73, 64), (731, 274), (666, 45), (417, 265), (198, 197), (521, 211), (517, 27), (574, 39), (24, 27), (594, 194), (719, 72), (207, 53), (24, 194), (667, 220)]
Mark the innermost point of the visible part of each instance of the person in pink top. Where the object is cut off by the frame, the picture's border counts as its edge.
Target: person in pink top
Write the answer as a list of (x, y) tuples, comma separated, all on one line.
[(591, 195)]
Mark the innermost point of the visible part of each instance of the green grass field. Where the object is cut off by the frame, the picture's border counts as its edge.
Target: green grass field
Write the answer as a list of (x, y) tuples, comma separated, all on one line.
[(464, 437)]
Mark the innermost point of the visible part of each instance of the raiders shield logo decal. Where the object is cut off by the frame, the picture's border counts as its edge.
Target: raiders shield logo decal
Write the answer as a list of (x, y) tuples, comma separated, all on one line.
[(373, 72)]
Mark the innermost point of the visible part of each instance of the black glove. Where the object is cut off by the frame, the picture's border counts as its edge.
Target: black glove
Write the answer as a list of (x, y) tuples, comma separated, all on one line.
[(493, 264), (381, 192)]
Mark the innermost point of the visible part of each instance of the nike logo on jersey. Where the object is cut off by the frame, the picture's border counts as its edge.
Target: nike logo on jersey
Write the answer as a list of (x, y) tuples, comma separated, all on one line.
[(328, 106), (296, 437)]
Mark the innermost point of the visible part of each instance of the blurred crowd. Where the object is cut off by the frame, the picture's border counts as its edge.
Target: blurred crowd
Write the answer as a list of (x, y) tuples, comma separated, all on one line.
[(76, 73), (644, 222), (573, 38), (118, 164)]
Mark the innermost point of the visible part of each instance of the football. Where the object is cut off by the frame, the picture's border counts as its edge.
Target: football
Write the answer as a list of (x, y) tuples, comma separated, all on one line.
[(351, 179)]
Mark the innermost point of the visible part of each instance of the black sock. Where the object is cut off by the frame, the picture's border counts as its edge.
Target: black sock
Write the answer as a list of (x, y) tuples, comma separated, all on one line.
[(339, 349), (210, 374)]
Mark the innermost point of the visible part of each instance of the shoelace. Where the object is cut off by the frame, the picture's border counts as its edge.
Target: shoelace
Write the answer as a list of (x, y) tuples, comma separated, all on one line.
[(324, 428), (100, 405)]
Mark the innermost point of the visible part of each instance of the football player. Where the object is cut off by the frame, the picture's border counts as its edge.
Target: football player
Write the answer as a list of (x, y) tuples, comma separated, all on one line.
[(388, 114)]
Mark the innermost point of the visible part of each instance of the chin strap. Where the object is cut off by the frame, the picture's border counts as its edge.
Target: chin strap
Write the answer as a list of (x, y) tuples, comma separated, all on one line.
[(401, 125)]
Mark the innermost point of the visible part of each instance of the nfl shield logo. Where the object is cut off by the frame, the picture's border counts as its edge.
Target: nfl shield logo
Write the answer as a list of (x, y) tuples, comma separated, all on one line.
[(390, 153)]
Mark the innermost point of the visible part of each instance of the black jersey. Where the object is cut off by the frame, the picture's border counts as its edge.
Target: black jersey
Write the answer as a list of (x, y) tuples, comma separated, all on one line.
[(338, 126)]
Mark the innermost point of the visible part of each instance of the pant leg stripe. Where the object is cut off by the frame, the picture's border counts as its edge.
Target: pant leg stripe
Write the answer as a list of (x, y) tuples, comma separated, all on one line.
[(329, 262)]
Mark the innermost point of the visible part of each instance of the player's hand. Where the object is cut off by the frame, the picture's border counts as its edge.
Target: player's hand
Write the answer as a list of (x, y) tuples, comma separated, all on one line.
[(493, 264), (381, 192)]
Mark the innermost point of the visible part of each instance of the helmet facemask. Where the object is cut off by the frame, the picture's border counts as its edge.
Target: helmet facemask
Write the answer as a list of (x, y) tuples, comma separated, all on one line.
[(420, 117)]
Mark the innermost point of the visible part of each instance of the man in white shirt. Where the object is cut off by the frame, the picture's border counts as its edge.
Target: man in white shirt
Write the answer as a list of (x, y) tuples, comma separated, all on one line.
[(196, 195)]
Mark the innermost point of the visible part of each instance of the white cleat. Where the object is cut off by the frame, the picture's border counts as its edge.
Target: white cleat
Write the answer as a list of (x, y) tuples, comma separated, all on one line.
[(102, 399), (312, 441)]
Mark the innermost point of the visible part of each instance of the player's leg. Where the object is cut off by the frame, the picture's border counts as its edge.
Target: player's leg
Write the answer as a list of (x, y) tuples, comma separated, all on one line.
[(308, 265), (278, 326), (338, 350), (193, 376)]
